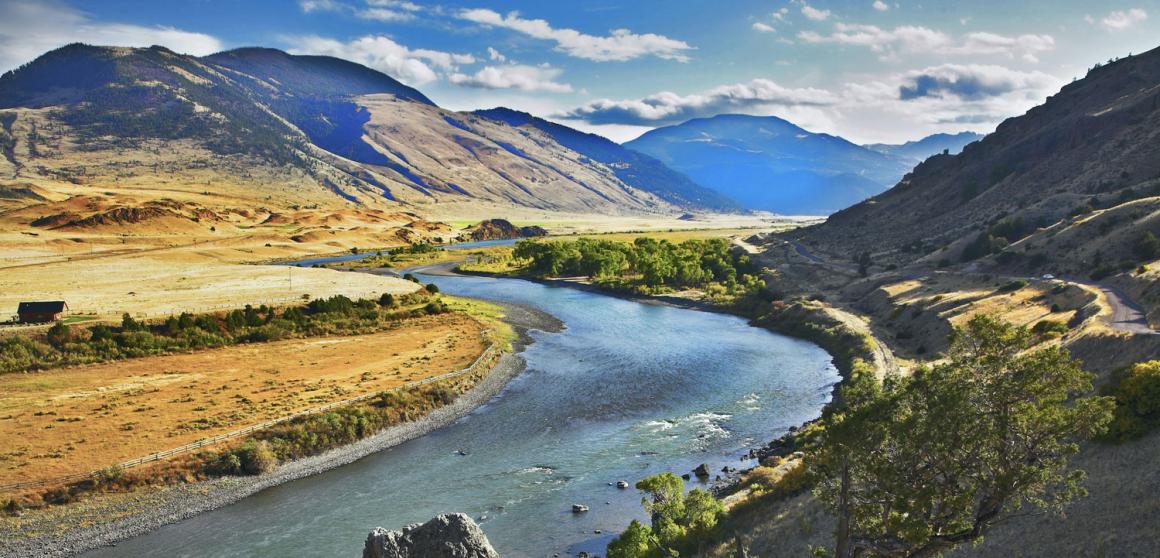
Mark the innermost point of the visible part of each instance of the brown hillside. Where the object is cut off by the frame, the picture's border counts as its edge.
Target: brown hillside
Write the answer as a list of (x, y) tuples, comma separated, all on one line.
[(1091, 146)]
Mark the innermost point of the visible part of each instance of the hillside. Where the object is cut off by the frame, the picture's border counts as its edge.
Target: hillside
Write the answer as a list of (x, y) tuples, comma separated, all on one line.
[(917, 151), (1087, 150), (260, 124), (771, 164), (635, 169)]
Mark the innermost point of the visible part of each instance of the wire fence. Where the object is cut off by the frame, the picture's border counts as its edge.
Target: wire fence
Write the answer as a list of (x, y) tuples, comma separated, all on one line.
[(481, 359)]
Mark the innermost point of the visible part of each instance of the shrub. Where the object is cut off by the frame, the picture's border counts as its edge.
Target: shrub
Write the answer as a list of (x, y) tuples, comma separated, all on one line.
[(1049, 328), (1147, 247), (1012, 286), (1136, 389)]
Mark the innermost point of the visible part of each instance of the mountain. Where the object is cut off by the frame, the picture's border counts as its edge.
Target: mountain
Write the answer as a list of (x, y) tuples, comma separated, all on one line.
[(1070, 187), (767, 163), (262, 124), (917, 151), (634, 168)]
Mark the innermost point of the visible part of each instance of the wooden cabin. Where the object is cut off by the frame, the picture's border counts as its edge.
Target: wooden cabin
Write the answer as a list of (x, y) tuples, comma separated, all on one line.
[(41, 312)]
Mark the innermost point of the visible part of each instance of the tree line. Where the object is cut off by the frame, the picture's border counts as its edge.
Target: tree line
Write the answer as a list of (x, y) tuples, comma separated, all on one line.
[(648, 264), (64, 345)]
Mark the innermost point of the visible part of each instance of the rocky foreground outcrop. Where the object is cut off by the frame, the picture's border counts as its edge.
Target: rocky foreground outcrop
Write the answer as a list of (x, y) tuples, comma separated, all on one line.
[(446, 536)]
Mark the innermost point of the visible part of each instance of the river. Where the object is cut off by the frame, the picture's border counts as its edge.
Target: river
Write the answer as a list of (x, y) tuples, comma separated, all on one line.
[(625, 391)]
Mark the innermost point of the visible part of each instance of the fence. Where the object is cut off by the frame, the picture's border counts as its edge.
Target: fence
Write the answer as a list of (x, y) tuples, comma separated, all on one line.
[(486, 354)]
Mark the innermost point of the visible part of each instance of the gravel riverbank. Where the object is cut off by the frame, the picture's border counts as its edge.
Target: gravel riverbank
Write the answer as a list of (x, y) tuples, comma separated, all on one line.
[(88, 526)]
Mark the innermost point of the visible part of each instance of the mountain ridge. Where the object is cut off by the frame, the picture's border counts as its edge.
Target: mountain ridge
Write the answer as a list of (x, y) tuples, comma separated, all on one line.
[(272, 125), (769, 163), (634, 168)]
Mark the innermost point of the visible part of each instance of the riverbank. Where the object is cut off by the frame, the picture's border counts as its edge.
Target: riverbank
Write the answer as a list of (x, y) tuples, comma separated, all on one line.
[(136, 514)]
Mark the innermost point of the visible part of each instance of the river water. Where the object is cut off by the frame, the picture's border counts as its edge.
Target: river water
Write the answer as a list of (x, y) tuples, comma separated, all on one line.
[(625, 391)]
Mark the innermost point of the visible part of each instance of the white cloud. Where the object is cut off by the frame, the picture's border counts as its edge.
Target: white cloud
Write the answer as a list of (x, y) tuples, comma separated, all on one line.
[(310, 6), (384, 14), (620, 45), (764, 28), (917, 39), (881, 6), (759, 95), (495, 55), (514, 76), (814, 13), (410, 66), (29, 29), (1123, 19), (396, 4), (945, 98)]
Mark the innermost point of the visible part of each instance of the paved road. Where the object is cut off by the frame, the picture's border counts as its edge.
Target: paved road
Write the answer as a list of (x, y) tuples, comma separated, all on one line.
[(1127, 315)]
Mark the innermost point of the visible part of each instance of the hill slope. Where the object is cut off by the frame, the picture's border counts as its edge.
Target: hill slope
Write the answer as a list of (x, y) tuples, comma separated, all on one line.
[(771, 164), (634, 168), (917, 151), (1091, 147), (290, 130)]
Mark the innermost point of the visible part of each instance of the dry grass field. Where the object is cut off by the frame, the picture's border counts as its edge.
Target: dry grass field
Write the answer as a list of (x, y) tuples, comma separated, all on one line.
[(76, 420)]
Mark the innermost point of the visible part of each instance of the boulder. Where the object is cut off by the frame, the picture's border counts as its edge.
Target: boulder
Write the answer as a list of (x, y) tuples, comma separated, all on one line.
[(579, 508), (702, 471), (446, 536), (622, 484)]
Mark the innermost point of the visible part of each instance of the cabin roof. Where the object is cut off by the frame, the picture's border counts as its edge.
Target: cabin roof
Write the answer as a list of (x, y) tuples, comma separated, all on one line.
[(46, 307)]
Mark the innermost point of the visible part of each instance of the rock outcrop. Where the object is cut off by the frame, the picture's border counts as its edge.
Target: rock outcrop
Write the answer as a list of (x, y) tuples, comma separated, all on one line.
[(446, 536), (502, 229)]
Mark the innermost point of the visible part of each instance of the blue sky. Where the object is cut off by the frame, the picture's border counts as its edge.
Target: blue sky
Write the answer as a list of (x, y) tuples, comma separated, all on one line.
[(869, 70)]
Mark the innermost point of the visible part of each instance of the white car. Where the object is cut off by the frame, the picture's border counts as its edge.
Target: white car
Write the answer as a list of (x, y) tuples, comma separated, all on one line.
[(1048, 276)]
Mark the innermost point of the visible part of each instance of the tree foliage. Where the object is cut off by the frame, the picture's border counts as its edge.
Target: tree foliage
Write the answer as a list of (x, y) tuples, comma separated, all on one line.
[(680, 521), (1136, 389), (646, 262), (915, 466)]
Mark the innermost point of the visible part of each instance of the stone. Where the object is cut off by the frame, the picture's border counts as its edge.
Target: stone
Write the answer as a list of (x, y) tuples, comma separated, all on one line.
[(579, 508), (622, 484), (702, 471), (446, 536)]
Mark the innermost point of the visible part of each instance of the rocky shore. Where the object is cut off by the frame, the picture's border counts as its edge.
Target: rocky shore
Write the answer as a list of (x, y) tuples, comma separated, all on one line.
[(137, 514)]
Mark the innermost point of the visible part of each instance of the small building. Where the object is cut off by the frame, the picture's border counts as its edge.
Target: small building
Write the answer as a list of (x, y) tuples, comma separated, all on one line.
[(40, 312)]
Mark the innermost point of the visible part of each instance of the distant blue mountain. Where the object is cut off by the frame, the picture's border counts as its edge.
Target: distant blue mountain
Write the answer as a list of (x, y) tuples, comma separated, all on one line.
[(768, 163), (915, 152), (631, 167)]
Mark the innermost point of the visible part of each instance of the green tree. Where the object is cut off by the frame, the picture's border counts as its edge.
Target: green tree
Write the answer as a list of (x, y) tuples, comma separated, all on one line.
[(680, 522), (922, 464)]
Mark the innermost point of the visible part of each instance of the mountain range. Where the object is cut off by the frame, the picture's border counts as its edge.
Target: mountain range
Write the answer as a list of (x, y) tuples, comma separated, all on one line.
[(298, 130), (765, 162), (295, 130)]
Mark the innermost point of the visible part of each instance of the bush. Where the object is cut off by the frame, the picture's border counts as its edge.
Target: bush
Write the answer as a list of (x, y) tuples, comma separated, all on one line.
[(1147, 247), (256, 458), (1137, 392), (1049, 328), (1012, 286), (432, 288)]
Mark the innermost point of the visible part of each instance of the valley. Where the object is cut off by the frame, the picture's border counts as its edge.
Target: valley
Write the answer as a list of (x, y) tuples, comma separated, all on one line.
[(259, 301)]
